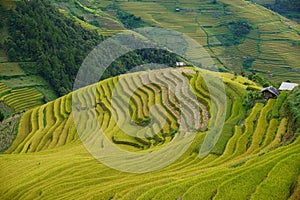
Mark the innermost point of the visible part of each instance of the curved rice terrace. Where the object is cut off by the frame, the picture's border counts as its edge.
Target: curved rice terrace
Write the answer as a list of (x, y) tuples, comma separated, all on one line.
[(252, 159)]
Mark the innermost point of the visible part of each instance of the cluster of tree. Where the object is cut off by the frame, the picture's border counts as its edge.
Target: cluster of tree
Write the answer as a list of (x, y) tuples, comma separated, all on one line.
[(238, 30), (251, 97), (258, 78), (40, 33), (288, 8), (292, 104), (248, 63), (287, 5), (129, 20), (134, 61)]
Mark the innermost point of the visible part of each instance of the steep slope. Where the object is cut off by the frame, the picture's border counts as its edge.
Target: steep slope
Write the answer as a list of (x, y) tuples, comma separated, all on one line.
[(252, 158)]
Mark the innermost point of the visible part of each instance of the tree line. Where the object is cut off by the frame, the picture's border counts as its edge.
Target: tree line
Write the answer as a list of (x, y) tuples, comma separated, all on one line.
[(40, 33)]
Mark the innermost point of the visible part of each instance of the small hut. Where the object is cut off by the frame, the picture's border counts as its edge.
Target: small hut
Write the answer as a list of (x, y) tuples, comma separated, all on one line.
[(269, 92)]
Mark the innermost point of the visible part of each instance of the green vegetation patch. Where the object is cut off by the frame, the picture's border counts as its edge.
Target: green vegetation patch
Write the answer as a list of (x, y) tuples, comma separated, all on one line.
[(129, 20), (65, 43), (25, 81), (10, 69), (293, 105)]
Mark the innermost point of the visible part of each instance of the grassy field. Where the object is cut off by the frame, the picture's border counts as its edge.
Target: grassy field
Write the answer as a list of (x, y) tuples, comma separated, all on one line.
[(251, 160)]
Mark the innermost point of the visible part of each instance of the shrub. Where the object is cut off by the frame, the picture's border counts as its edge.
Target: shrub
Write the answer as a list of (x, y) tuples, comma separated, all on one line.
[(293, 106), (1, 116), (248, 63), (251, 97), (257, 78)]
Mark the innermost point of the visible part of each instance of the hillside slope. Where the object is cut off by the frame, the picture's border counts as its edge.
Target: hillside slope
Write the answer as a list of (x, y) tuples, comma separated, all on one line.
[(254, 158), (271, 43)]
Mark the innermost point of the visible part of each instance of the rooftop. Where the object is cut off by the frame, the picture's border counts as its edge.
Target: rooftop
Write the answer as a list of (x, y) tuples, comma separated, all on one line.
[(271, 89), (287, 86)]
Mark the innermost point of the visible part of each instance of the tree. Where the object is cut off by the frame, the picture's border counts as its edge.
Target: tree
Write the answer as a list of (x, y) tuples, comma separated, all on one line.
[(12, 54), (251, 97)]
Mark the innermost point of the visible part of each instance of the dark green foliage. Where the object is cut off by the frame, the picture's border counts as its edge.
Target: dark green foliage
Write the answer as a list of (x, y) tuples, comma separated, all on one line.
[(132, 60), (287, 5), (251, 97), (1, 116), (258, 78), (293, 106), (95, 23), (58, 45), (41, 34), (239, 29), (248, 63), (287, 8), (278, 105), (130, 21), (214, 1)]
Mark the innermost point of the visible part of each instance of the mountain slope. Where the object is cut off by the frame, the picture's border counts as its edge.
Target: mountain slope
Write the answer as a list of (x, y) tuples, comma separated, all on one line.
[(271, 45), (48, 160)]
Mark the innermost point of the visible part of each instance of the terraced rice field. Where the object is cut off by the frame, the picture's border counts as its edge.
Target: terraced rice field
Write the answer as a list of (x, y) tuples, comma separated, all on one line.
[(48, 160), (108, 24), (20, 99), (270, 40), (21, 91), (273, 39)]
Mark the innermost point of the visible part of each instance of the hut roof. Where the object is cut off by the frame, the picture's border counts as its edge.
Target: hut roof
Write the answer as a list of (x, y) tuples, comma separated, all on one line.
[(271, 89)]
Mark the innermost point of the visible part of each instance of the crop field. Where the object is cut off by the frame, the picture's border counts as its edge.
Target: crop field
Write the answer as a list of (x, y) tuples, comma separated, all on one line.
[(22, 99), (73, 146), (271, 38), (250, 160), (87, 15), (21, 91)]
